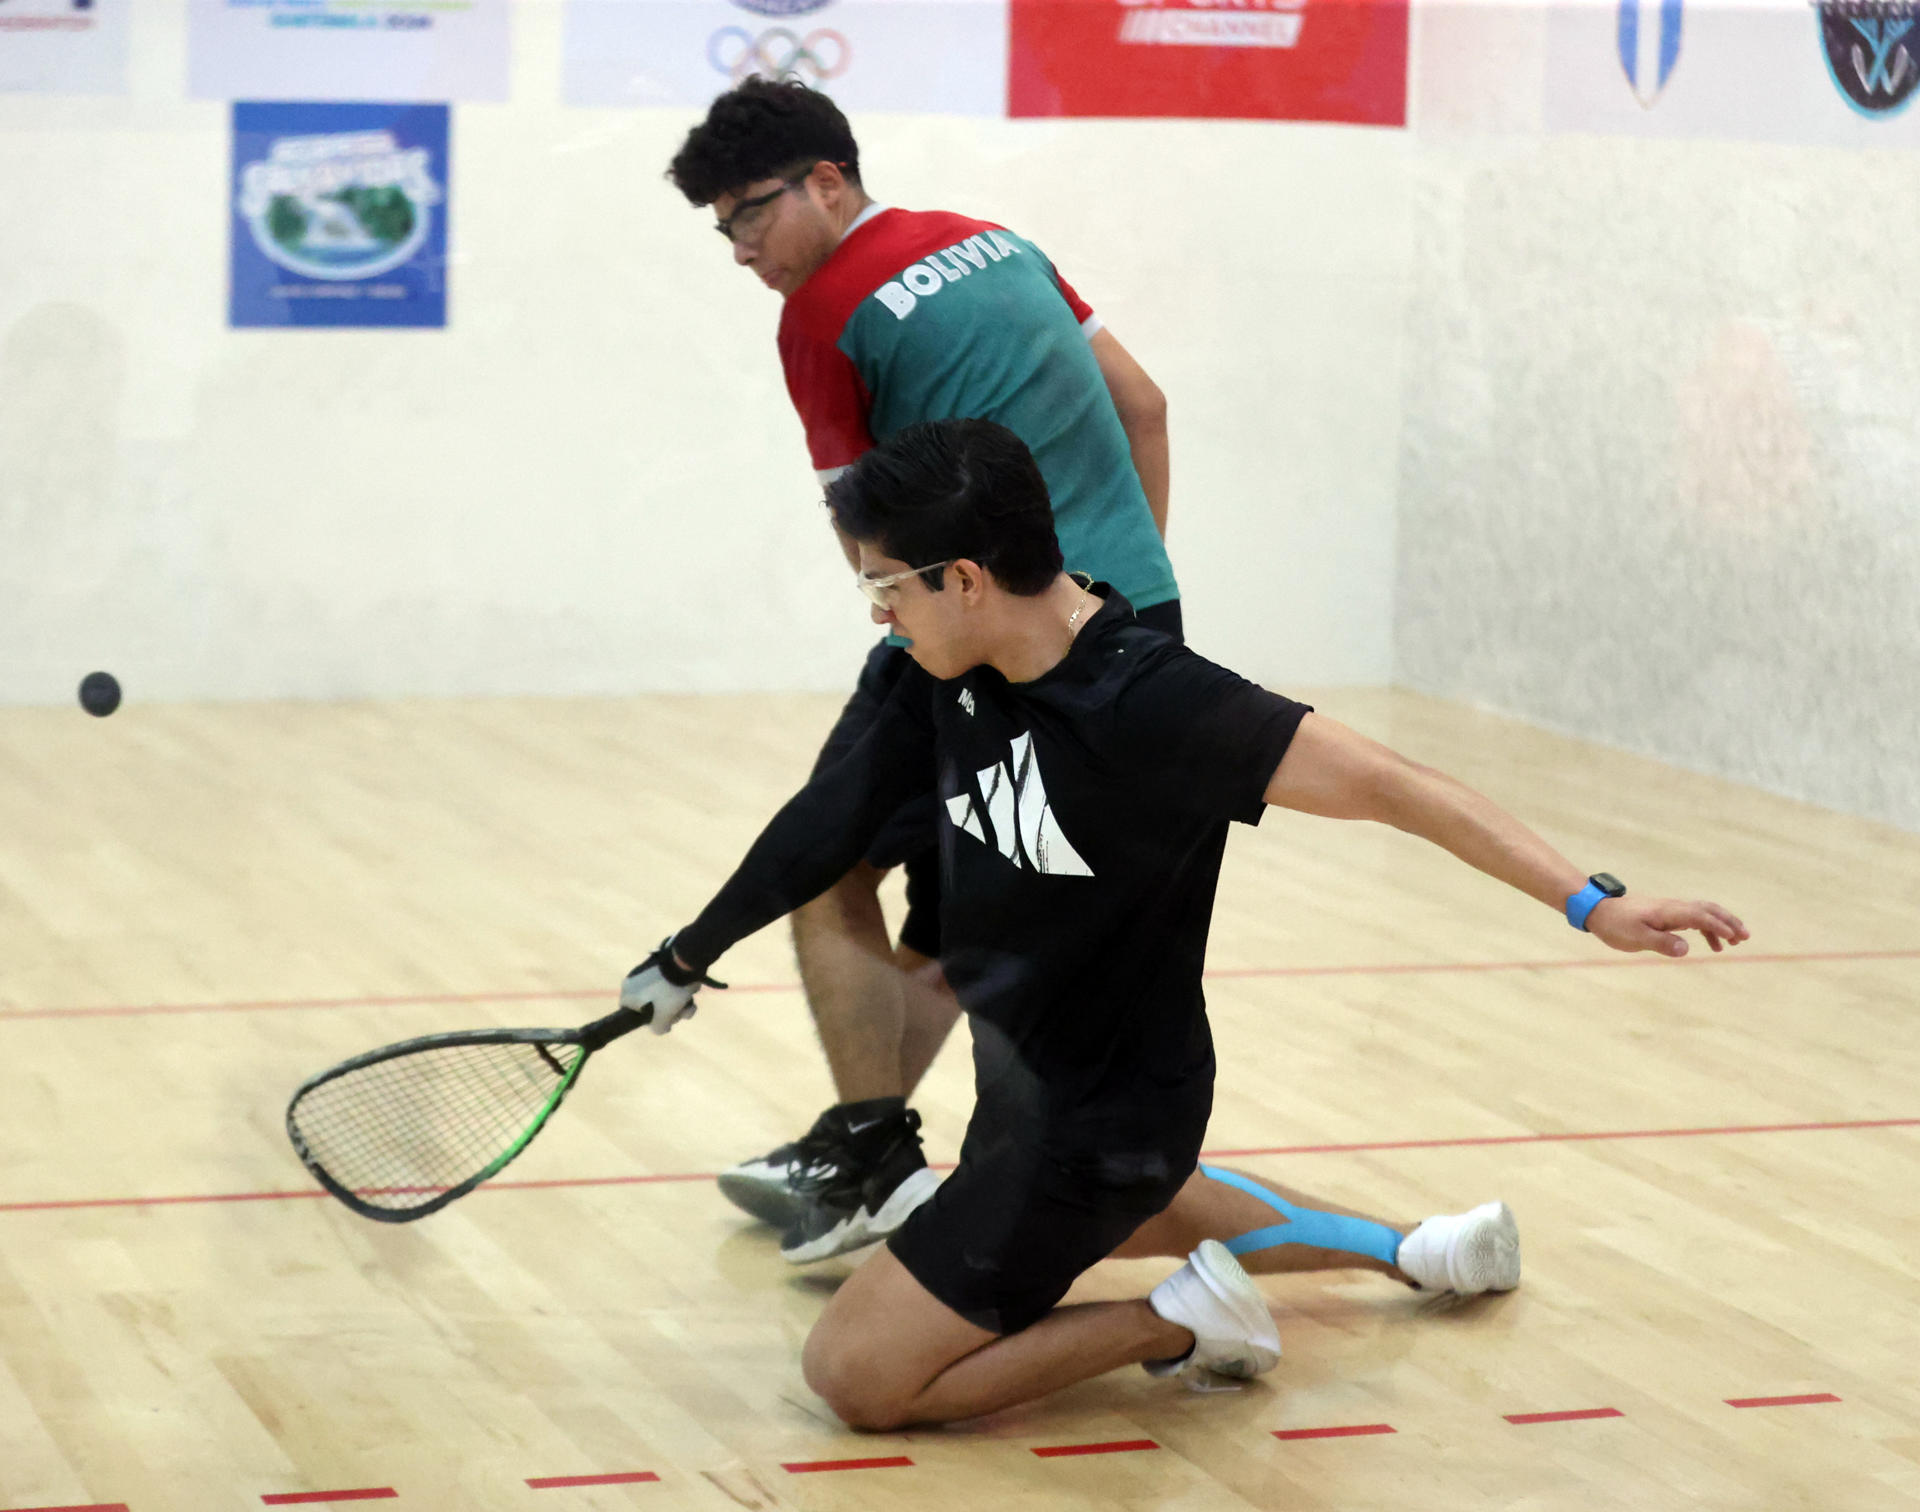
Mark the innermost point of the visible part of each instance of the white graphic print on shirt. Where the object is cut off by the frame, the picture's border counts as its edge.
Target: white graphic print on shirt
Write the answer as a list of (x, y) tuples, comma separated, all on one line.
[(1023, 825)]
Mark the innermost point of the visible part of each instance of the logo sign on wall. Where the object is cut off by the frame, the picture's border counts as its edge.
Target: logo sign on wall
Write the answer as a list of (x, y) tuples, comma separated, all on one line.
[(339, 215), (942, 57), (1298, 60), (1648, 38), (423, 50), (1838, 73), (1873, 52), (63, 46)]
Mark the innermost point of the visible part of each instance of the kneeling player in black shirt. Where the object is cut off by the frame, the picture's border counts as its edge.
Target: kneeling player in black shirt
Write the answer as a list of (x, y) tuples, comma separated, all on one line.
[(1086, 768)]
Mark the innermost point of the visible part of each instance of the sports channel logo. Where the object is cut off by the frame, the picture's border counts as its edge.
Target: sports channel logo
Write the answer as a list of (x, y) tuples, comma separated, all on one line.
[(778, 53), (1872, 52), (1212, 23), (1647, 39), (352, 205)]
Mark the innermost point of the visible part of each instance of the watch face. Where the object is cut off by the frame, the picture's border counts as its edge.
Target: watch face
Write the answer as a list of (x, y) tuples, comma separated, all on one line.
[(1609, 884)]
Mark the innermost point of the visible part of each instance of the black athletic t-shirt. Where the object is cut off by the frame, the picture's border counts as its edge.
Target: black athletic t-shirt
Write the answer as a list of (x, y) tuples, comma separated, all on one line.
[(1085, 816)]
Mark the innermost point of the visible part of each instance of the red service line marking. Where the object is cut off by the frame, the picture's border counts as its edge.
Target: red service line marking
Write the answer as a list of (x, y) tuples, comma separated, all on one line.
[(587, 994), (1118, 1446), (1348, 1430), (1786, 1401), (572, 1182), (623, 1478), (1581, 1415), (808, 1467), (306, 1498)]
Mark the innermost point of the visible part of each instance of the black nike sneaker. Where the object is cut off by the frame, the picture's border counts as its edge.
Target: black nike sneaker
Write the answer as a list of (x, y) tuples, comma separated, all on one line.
[(763, 1186), (861, 1179)]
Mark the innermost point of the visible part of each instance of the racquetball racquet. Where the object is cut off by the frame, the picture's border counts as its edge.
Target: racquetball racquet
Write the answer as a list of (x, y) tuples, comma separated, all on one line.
[(401, 1131)]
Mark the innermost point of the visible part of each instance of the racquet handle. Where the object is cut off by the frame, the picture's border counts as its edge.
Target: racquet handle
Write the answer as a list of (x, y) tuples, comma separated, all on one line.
[(604, 1031)]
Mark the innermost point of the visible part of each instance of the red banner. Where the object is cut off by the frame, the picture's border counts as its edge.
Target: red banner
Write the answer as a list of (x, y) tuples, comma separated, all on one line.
[(1292, 60)]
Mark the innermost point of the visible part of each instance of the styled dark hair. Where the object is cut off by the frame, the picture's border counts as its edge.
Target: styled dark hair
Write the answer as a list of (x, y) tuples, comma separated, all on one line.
[(759, 129), (953, 488)]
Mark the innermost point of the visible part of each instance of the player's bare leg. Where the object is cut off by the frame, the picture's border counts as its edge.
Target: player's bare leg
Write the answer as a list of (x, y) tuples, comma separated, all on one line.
[(887, 1352), (859, 1171), (854, 988), (1275, 1229), (1211, 1209), (931, 1012)]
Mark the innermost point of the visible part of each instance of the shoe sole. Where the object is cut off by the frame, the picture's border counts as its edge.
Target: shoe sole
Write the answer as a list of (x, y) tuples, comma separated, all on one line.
[(761, 1191), (1228, 1280), (858, 1230), (1488, 1257)]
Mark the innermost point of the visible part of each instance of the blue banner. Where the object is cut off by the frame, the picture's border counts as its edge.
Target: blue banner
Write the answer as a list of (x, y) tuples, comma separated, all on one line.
[(338, 215)]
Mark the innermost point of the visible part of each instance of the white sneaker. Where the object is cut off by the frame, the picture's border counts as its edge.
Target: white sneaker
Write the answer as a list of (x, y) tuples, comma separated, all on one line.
[(1214, 1297), (1466, 1253)]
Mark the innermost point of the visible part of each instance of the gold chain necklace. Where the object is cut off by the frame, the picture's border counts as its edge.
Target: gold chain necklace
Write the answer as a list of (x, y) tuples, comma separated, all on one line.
[(1073, 620)]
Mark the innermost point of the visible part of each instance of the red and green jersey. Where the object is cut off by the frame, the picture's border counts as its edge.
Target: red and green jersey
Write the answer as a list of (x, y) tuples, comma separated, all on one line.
[(922, 315)]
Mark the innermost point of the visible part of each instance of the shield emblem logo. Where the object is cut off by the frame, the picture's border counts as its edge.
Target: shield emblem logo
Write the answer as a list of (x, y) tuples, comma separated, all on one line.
[(1648, 40), (1873, 53)]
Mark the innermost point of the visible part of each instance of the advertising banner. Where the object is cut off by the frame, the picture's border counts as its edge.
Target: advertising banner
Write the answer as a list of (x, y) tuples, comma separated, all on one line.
[(1292, 60), (339, 215), (423, 50), (63, 46), (933, 57), (1834, 73)]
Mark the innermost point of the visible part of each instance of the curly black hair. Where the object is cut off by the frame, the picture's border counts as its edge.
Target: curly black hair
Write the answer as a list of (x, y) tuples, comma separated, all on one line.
[(760, 129)]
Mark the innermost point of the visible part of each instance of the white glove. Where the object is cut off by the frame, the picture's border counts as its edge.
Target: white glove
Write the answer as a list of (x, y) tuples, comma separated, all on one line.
[(659, 988)]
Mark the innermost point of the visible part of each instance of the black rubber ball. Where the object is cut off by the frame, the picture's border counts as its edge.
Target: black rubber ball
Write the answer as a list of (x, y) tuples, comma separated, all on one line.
[(99, 694)]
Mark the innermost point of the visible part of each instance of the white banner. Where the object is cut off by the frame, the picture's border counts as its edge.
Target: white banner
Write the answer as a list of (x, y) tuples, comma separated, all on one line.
[(390, 50), (944, 57), (63, 46), (1843, 74)]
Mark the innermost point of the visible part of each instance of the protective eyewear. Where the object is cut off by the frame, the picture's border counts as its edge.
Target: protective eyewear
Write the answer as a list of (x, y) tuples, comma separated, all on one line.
[(748, 222), (880, 589)]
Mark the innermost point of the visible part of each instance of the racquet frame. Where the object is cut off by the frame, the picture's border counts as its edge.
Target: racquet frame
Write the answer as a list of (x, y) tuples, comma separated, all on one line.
[(590, 1037)]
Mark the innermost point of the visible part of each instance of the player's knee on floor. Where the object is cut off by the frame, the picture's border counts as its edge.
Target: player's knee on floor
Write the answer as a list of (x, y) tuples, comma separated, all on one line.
[(839, 1370)]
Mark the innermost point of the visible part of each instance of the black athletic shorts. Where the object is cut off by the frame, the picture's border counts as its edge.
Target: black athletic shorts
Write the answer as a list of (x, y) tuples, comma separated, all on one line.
[(1030, 1206), (911, 837)]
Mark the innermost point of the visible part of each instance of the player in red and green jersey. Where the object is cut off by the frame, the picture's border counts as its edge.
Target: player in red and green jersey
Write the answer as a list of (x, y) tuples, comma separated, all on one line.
[(895, 317)]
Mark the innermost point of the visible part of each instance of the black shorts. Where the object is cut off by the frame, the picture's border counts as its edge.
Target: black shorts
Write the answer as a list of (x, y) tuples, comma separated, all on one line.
[(1029, 1209), (911, 837)]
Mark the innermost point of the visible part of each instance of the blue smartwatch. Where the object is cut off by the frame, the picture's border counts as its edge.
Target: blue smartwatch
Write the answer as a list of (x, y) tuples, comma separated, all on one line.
[(1599, 885)]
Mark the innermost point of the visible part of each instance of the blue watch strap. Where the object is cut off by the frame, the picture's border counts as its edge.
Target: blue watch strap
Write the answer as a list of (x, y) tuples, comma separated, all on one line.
[(1582, 903)]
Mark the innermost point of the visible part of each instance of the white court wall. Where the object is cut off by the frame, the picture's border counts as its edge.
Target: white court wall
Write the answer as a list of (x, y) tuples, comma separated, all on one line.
[(592, 482), (1660, 457)]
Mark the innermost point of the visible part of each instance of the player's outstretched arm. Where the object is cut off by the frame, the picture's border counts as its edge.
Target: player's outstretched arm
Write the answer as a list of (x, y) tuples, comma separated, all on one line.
[(1337, 773), (1143, 416)]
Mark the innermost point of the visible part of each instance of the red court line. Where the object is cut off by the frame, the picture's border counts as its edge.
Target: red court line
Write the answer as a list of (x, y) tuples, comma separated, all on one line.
[(807, 1467), (1785, 1401), (90, 1507), (297, 1498), (559, 1482), (1118, 1446), (579, 994), (1364, 1147), (1564, 1417), (1350, 1430)]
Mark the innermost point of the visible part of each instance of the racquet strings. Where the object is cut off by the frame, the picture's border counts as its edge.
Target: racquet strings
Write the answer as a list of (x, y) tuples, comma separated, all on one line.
[(400, 1132)]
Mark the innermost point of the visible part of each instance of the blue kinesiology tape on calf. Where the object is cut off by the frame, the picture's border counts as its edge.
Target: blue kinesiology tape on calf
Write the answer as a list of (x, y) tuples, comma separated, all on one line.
[(1334, 1231)]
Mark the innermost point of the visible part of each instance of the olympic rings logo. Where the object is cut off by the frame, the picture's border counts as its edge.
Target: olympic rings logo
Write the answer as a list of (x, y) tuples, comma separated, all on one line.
[(779, 54)]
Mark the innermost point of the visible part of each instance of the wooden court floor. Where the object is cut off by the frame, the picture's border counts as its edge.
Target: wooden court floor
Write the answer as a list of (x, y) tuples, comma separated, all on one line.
[(1715, 1163)]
